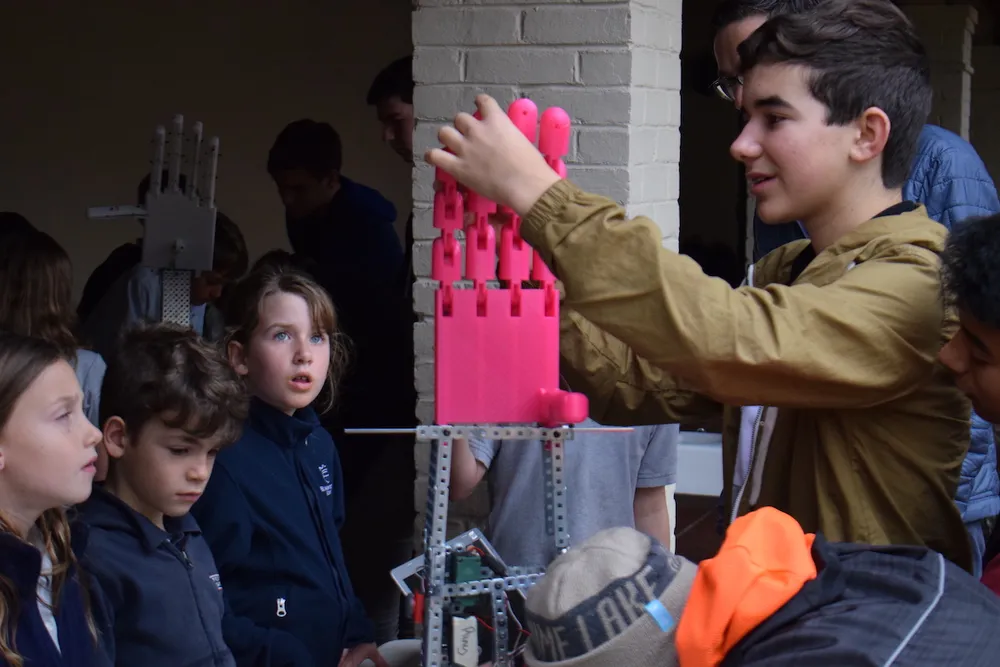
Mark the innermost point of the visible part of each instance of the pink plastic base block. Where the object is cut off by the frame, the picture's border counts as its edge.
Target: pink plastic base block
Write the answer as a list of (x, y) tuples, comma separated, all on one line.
[(496, 351)]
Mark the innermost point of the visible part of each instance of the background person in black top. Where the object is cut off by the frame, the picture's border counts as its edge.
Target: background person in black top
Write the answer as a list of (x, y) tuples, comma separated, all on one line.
[(345, 230)]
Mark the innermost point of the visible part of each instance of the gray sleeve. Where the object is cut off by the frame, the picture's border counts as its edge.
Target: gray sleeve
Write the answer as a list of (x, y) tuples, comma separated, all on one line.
[(90, 373), (484, 451), (659, 462)]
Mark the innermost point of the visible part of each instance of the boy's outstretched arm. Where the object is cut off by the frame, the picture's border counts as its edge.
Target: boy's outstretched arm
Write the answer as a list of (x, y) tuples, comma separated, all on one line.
[(861, 341), (623, 389)]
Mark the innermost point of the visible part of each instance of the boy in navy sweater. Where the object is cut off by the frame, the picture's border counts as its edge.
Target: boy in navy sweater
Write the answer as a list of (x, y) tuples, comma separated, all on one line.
[(273, 510), (169, 403)]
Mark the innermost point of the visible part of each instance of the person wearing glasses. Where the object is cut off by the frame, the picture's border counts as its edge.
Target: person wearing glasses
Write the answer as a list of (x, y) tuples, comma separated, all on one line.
[(948, 177)]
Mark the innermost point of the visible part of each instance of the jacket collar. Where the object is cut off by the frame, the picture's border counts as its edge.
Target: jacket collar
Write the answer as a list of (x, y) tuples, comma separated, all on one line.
[(21, 562), (904, 224), (105, 510), (285, 430)]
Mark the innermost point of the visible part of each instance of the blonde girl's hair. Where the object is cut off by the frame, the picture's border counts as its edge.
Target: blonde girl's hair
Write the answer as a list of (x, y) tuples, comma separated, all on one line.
[(244, 304), (22, 360)]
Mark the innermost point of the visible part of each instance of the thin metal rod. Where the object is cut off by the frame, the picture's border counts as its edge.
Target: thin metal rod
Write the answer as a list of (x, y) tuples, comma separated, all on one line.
[(412, 431)]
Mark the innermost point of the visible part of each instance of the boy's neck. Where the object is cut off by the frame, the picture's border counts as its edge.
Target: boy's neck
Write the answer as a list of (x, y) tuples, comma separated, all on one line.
[(118, 487), (843, 217)]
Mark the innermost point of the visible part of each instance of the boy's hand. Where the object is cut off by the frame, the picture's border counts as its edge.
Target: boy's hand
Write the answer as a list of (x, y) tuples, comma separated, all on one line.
[(493, 158), (353, 657)]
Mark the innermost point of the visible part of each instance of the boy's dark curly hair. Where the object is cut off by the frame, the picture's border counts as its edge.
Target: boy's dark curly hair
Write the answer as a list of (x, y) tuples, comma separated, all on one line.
[(170, 373), (970, 268)]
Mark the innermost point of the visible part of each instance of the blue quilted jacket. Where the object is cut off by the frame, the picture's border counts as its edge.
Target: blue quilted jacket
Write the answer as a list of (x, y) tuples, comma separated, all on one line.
[(950, 179)]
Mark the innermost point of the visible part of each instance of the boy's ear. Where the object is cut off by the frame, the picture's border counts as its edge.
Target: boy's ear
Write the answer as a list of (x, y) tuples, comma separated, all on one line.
[(237, 357), (873, 134), (115, 437)]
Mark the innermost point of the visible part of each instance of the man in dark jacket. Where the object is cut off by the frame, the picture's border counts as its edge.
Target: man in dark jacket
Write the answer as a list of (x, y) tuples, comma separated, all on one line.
[(346, 230)]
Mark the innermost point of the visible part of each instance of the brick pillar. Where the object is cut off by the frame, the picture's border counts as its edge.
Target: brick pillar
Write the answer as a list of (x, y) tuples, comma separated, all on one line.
[(614, 67), (947, 32), (986, 110)]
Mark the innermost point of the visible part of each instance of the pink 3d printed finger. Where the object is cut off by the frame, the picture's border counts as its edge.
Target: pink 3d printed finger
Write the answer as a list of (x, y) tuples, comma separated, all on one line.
[(524, 114), (497, 350), (553, 141)]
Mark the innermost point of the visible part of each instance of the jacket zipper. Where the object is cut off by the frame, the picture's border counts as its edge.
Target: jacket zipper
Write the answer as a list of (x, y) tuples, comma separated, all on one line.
[(753, 452)]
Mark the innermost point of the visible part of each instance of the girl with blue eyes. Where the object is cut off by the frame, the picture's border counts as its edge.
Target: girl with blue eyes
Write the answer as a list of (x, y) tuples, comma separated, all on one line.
[(273, 508)]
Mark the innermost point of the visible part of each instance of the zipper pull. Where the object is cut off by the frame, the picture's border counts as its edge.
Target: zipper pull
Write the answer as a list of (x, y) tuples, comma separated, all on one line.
[(281, 613)]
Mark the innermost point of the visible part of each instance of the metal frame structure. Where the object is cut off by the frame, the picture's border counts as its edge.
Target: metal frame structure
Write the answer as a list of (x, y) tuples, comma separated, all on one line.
[(438, 590), (178, 226)]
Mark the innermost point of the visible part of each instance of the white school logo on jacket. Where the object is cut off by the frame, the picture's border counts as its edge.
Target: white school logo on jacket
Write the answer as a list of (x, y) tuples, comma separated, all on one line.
[(327, 486)]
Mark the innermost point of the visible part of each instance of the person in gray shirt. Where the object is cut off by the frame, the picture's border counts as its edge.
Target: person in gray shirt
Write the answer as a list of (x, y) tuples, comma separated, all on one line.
[(613, 479)]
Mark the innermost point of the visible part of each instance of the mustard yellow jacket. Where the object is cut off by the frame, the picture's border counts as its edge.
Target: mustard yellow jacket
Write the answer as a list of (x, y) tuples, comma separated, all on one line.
[(863, 433)]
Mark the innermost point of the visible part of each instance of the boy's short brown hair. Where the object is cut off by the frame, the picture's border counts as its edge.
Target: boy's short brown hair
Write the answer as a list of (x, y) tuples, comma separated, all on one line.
[(861, 54), (170, 373)]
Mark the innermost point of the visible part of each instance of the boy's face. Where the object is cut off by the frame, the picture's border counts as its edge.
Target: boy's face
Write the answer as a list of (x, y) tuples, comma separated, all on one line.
[(396, 117), (303, 193), (161, 471), (206, 287), (973, 357), (796, 164), (287, 360)]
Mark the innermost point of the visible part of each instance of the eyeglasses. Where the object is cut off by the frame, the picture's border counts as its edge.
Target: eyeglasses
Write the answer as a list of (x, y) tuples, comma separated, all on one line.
[(725, 87)]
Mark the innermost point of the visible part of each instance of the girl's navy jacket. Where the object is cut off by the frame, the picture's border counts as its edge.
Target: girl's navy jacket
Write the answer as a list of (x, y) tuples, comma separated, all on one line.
[(271, 514), (21, 564)]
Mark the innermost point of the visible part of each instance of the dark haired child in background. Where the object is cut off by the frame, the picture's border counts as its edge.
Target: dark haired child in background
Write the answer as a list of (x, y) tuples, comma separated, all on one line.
[(170, 403)]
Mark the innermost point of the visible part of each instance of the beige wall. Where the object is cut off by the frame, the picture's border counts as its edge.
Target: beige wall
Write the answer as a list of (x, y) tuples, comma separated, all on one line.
[(93, 79)]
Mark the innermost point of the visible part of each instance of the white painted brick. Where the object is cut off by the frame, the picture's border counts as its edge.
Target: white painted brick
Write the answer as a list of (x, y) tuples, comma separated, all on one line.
[(655, 182), (425, 136), (424, 378), (608, 67), (604, 146), (423, 296), (423, 182), (479, 26), (645, 64), (444, 102), (588, 106), (577, 25), (642, 145), (425, 413), (423, 340), (668, 219), (437, 64), (668, 144), (655, 29), (521, 65), (611, 182), (663, 107), (422, 251), (668, 71), (423, 223)]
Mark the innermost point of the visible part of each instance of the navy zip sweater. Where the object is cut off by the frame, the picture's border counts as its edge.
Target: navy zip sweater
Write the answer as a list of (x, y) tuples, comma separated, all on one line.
[(162, 586), (21, 564), (272, 513)]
